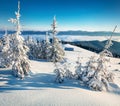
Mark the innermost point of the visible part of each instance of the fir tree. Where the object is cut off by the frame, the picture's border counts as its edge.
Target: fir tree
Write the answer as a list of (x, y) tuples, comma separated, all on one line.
[(96, 74), (48, 48), (60, 73), (18, 49), (58, 52), (78, 69), (42, 53), (101, 76), (5, 53), (32, 44)]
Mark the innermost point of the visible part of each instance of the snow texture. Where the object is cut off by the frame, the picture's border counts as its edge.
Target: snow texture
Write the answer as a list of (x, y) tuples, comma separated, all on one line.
[(39, 89)]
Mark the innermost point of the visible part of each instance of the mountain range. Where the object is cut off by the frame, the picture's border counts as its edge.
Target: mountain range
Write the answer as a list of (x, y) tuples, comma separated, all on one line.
[(70, 32)]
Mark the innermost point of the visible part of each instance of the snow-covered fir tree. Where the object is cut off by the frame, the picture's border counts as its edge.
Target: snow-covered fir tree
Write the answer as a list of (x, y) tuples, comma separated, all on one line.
[(20, 65), (37, 48), (48, 48), (63, 71), (5, 53), (58, 52), (78, 69), (96, 74), (42, 53), (32, 44), (59, 72), (68, 69), (101, 75)]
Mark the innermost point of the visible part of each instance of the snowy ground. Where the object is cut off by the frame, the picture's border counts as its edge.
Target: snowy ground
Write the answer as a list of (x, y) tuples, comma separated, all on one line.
[(39, 89)]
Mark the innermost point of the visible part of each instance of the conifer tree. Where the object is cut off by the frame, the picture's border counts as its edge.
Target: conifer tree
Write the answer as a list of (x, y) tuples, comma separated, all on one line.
[(5, 54), (48, 48), (42, 47), (18, 49), (58, 52), (96, 74), (78, 69), (60, 73), (101, 75), (32, 44)]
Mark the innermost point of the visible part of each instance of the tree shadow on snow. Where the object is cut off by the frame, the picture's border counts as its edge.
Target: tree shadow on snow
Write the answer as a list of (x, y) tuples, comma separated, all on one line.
[(40, 60), (114, 88), (38, 81)]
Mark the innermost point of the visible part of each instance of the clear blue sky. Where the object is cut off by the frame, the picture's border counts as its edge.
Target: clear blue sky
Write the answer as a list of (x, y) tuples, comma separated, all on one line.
[(89, 15)]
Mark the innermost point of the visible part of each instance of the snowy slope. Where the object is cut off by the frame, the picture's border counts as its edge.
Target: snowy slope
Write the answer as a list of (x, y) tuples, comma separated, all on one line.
[(39, 89)]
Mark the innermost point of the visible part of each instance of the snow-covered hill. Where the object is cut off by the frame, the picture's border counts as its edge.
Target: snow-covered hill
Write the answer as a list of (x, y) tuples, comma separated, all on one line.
[(39, 89)]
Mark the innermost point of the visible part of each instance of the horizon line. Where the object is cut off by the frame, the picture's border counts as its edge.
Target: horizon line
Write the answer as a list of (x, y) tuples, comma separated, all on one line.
[(61, 31)]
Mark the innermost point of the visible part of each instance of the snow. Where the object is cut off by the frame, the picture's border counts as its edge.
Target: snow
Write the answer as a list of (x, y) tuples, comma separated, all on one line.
[(39, 89)]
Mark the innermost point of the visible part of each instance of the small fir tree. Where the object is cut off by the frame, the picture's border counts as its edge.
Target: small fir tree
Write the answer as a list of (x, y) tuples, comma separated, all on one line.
[(78, 69), (60, 73), (5, 53), (31, 43), (48, 48)]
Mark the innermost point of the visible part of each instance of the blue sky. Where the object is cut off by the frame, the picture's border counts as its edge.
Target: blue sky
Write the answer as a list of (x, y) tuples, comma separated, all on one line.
[(89, 15)]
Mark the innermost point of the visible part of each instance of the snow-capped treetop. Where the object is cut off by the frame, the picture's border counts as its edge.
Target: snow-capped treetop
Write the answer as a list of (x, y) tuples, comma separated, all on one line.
[(30, 41), (57, 49), (109, 42), (54, 26), (46, 37), (17, 20)]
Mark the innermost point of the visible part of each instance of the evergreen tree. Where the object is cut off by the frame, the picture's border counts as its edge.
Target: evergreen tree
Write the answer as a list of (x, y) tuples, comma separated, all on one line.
[(95, 74), (48, 48), (78, 69), (37, 48), (60, 73), (58, 52), (102, 76), (18, 49), (32, 44), (5, 54), (63, 71), (42, 53)]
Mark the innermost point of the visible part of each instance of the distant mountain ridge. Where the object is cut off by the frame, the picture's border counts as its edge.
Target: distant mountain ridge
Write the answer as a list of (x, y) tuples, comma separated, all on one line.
[(70, 32)]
